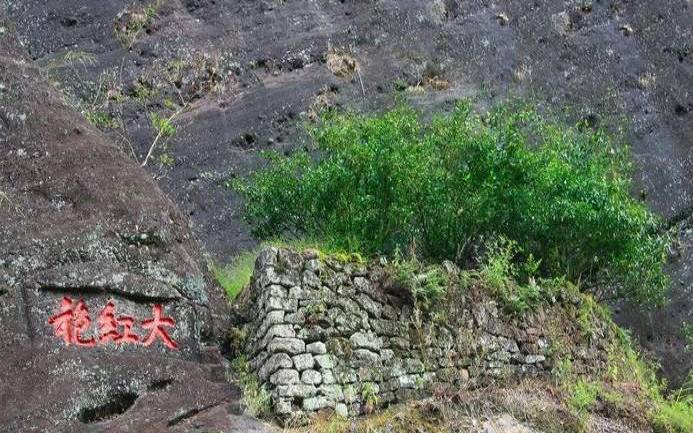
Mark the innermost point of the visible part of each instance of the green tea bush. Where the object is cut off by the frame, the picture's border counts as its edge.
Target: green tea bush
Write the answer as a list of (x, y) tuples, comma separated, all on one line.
[(376, 183)]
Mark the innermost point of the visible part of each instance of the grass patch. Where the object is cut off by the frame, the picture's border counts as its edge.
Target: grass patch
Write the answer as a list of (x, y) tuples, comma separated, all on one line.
[(628, 387), (514, 283), (426, 283), (143, 91), (405, 418), (323, 248), (675, 416), (590, 313), (101, 119), (529, 402), (257, 401), (235, 276), (583, 395), (132, 21)]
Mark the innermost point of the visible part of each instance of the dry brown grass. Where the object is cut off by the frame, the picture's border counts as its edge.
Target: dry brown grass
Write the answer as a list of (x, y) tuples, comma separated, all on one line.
[(322, 102), (533, 402), (437, 83), (404, 418), (341, 63)]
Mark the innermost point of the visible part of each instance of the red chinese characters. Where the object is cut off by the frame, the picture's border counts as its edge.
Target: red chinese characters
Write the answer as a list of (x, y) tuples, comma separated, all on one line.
[(73, 321), (109, 326), (158, 327)]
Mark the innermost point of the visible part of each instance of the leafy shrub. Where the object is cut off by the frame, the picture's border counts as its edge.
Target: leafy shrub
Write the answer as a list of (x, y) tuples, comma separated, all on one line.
[(381, 182), (584, 395), (426, 284), (163, 126), (101, 119), (500, 274), (369, 396)]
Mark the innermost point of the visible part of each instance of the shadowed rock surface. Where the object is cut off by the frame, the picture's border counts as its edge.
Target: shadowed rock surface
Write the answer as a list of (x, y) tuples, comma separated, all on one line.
[(245, 74), (80, 220)]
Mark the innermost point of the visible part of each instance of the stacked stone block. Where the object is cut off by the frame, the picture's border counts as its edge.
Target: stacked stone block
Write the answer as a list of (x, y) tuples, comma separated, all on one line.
[(327, 334)]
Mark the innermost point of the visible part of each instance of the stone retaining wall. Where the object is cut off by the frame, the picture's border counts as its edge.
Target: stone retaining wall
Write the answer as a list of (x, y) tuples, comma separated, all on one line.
[(327, 334)]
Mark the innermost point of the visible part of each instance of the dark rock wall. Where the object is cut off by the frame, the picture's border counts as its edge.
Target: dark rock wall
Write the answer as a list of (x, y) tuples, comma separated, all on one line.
[(80, 220), (615, 63)]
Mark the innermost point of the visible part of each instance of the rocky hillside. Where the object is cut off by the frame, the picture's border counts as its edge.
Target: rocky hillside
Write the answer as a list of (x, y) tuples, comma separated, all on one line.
[(194, 90), (106, 309), (239, 76)]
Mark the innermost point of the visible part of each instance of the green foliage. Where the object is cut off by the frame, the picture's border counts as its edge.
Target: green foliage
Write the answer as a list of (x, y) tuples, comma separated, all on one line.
[(143, 91), (163, 125), (562, 370), (589, 314), (369, 394), (150, 11), (626, 365), (674, 416), (427, 284), (502, 274), (101, 119), (322, 248), (256, 399), (382, 182), (583, 396), (166, 160), (668, 415), (169, 104), (236, 276)]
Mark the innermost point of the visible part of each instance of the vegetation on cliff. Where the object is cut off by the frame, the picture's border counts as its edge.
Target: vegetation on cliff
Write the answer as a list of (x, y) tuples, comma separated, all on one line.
[(594, 379), (391, 181), (529, 206)]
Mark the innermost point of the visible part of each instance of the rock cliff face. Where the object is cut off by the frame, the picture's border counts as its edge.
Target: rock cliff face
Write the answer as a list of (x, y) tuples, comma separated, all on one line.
[(250, 71), (79, 219), (327, 334), (91, 251)]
